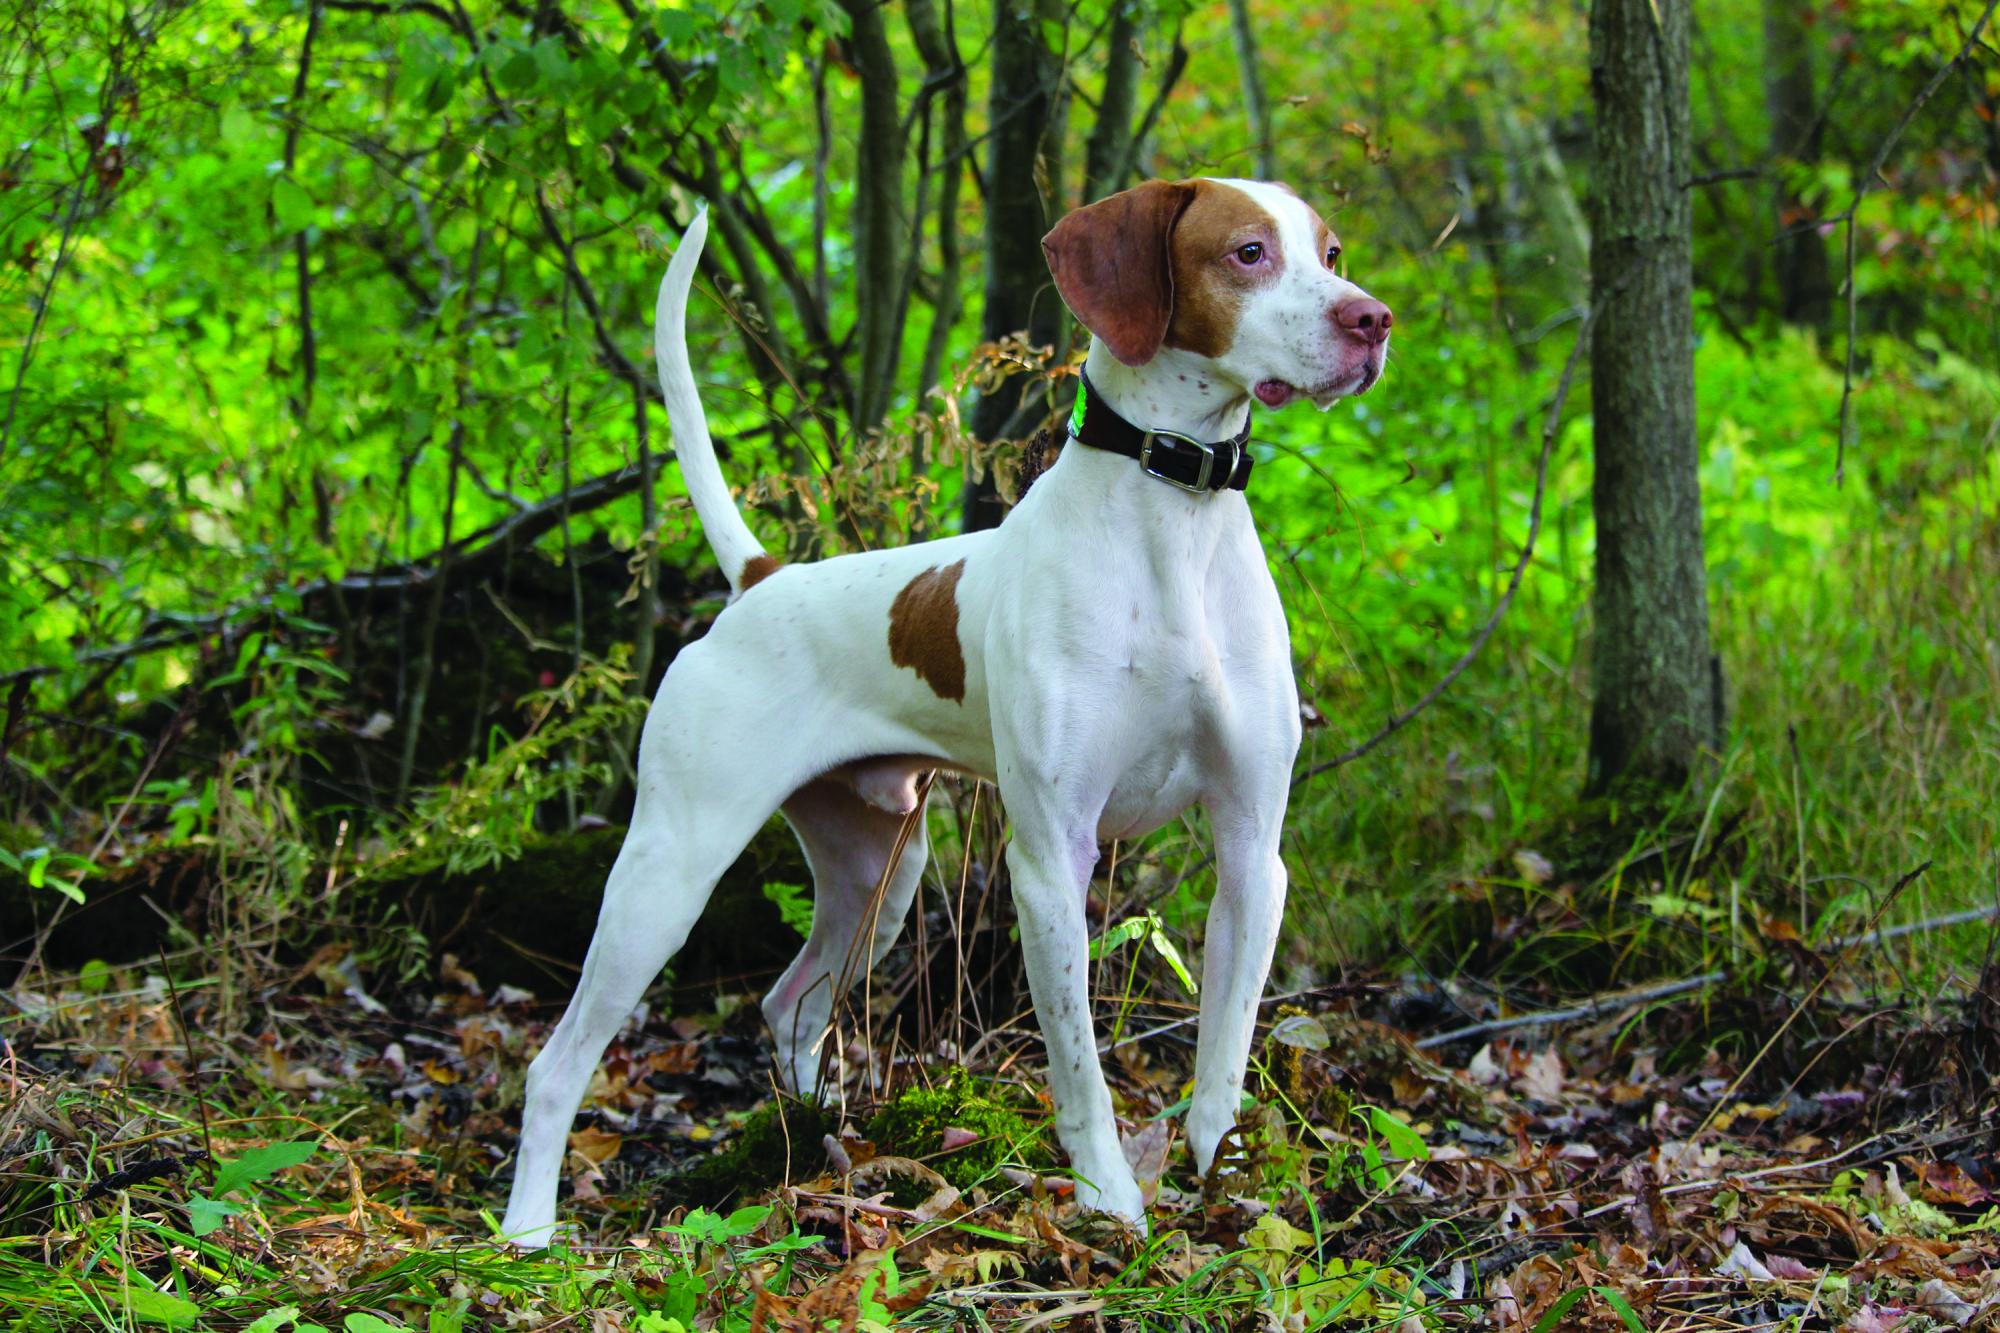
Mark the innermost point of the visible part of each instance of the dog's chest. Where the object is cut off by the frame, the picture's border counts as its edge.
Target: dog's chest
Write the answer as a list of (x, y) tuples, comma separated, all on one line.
[(1181, 689)]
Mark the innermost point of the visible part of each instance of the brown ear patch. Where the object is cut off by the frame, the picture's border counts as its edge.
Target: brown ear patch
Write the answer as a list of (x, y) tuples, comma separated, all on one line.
[(923, 630), (756, 569)]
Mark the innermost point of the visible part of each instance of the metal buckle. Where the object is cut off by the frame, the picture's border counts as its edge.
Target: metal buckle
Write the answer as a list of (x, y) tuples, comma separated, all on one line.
[(1207, 451)]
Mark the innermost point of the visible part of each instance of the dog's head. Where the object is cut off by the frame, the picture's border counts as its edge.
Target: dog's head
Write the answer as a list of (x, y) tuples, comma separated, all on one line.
[(1239, 272)]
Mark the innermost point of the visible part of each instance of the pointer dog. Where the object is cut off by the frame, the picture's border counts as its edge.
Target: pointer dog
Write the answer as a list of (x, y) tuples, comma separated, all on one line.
[(1110, 655)]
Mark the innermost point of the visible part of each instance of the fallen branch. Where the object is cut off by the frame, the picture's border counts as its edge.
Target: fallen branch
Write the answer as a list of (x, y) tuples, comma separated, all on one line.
[(1596, 1007), (1601, 1006), (475, 554)]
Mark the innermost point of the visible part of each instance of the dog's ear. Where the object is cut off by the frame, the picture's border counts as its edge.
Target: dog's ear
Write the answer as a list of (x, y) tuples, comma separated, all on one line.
[(1112, 265)]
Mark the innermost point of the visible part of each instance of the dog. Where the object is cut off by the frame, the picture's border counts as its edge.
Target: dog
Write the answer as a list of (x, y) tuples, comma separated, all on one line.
[(1112, 654)]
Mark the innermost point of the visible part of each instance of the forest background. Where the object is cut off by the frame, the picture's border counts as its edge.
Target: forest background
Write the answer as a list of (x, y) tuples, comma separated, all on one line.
[(341, 532)]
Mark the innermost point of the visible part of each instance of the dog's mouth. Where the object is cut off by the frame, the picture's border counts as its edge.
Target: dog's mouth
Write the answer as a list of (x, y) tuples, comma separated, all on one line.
[(1277, 393)]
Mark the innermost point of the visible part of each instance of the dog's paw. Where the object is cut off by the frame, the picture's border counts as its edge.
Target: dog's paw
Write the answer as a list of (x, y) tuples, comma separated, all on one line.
[(1116, 1194)]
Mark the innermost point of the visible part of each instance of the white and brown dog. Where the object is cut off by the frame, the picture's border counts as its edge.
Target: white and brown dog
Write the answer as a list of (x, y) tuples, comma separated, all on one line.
[(1110, 655)]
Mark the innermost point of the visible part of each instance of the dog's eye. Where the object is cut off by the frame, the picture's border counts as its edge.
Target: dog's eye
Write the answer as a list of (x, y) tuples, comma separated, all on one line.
[(1332, 255), (1249, 254)]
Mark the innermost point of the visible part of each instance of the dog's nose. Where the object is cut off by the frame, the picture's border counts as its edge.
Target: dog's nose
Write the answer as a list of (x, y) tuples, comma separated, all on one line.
[(1364, 319)]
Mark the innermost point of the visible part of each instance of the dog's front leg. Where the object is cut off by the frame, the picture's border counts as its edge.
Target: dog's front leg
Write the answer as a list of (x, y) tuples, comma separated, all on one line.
[(1242, 934), (1051, 874)]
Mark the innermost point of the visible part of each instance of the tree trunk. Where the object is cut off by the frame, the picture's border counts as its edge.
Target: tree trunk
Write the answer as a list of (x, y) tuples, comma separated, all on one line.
[(1805, 292), (1255, 104), (937, 43), (1110, 146), (1023, 187), (1654, 708), (878, 173)]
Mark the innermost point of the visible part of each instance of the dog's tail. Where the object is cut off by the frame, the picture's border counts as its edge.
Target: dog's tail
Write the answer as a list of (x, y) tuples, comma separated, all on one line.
[(735, 546)]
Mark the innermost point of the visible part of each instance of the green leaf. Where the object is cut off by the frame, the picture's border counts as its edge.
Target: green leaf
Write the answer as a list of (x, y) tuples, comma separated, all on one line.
[(447, 1318), (1624, 1309), (553, 63), (745, 1220), (1131, 928), (363, 1322), (1555, 1312), (157, 1307), (518, 74), (292, 204), (237, 126), (1301, 1031), (1403, 1141), (206, 1214), (1164, 947), (273, 1320), (261, 1163)]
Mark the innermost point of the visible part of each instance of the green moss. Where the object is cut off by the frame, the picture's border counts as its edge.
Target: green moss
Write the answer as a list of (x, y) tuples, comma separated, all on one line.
[(913, 1125), (779, 1134)]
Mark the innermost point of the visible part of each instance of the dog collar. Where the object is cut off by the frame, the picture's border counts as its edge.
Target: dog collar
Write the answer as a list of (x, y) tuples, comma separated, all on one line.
[(1178, 460)]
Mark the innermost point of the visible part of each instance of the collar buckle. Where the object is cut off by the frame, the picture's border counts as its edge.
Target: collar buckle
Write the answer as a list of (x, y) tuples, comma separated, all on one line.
[(1176, 442)]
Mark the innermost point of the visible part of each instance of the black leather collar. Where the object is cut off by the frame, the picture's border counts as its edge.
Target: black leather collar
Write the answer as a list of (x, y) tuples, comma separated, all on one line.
[(1179, 460)]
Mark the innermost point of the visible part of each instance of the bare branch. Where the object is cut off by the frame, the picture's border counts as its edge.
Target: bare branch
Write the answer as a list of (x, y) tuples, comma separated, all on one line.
[(1870, 179)]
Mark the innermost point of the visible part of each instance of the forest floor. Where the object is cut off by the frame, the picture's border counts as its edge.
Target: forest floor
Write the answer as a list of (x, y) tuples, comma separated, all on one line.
[(292, 1150)]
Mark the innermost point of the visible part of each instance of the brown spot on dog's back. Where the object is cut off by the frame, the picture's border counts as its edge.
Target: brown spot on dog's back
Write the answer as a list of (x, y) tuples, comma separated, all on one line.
[(756, 569), (1208, 292), (923, 630)]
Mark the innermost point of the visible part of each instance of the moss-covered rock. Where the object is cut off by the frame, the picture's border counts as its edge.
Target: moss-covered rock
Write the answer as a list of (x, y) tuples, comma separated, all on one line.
[(914, 1125), (780, 1134)]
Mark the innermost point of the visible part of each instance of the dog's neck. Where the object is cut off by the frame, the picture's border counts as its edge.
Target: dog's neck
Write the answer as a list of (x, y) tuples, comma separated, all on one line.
[(1175, 391)]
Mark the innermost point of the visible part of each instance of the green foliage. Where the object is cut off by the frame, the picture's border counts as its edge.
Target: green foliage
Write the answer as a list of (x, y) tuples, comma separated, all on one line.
[(794, 904), (1330, 1293), (1146, 926), (486, 817), (47, 868), (205, 1214)]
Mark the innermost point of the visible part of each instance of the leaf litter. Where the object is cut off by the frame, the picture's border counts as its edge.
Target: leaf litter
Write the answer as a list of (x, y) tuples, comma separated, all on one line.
[(317, 1154)]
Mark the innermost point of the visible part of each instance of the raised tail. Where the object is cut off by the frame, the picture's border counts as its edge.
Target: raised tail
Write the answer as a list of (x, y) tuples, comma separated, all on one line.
[(735, 546)]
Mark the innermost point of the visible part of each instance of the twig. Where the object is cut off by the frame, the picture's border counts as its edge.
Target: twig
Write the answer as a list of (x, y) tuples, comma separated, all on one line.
[(301, 250), (1193, 1018), (614, 357), (1717, 177), (194, 1060), (1177, 63), (1967, 917), (413, 723), (1550, 426)]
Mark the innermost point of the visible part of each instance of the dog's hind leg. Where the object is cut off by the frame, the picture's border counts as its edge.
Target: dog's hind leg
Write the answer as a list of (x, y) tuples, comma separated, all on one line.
[(862, 888), (702, 794)]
